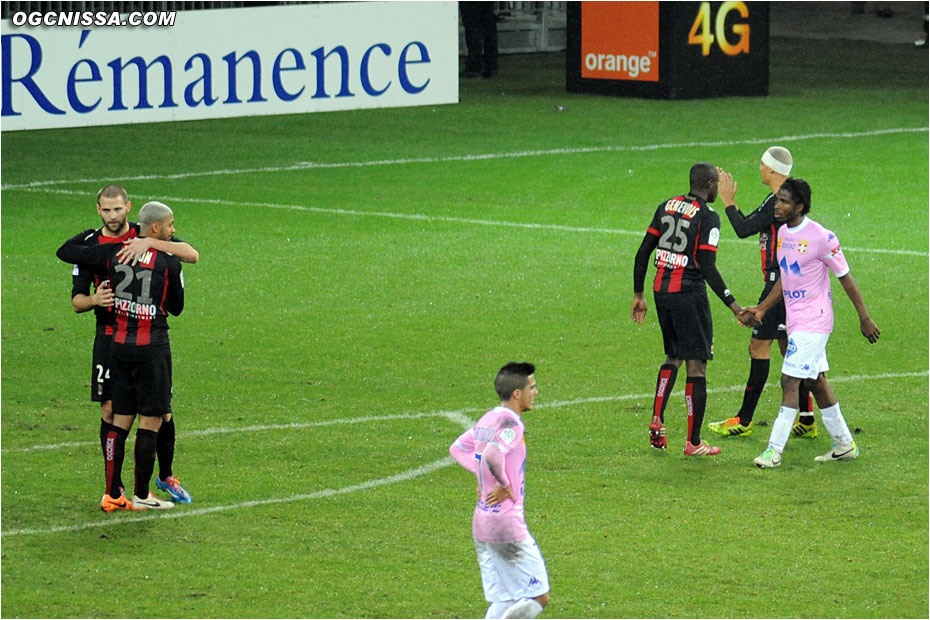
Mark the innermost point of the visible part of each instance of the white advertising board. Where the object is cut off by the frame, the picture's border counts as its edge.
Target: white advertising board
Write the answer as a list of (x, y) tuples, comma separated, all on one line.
[(227, 62)]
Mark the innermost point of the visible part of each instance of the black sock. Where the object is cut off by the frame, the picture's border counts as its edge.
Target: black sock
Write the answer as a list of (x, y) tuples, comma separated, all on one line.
[(758, 375), (805, 405), (145, 460), (696, 399), (165, 449), (114, 452), (104, 429), (664, 384)]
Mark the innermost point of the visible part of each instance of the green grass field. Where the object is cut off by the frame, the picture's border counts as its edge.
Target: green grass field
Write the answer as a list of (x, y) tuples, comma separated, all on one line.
[(345, 321)]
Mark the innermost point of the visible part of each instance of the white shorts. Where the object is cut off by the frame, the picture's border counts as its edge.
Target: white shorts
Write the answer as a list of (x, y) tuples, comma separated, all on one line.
[(511, 571), (806, 356)]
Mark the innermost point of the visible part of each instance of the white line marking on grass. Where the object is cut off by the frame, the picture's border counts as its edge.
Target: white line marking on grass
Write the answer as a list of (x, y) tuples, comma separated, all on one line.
[(459, 220), (304, 165), (457, 416), (410, 474)]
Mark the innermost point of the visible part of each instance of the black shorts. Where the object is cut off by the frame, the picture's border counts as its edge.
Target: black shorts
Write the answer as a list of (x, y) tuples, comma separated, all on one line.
[(773, 323), (687, 326), (100, 384), (141, 379)]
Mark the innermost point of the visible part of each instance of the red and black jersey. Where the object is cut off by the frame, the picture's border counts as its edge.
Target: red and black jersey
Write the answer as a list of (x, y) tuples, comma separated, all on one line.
[(145, 293), (83, 277), (682, 226), (761, 222)]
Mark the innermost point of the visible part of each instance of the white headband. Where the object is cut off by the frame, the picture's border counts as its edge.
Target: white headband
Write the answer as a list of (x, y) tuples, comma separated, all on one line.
[(778, 166)]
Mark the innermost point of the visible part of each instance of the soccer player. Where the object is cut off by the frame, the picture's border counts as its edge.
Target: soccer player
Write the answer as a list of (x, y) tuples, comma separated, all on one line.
[(113, 207), (513, 573), (807, 253), (774, 169), (684, 233), (144, 293)]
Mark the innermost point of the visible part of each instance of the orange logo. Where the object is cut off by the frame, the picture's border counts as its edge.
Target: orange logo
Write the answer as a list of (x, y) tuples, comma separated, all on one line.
[(620, 41)]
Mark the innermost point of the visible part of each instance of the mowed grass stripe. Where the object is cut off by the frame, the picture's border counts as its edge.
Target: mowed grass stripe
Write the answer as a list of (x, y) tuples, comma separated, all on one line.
[(422, 217), (306, 165)]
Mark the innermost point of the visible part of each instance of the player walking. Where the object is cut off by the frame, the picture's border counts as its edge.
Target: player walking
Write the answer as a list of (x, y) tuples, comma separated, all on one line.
[(513, 573), (684, 233), (807, 252)]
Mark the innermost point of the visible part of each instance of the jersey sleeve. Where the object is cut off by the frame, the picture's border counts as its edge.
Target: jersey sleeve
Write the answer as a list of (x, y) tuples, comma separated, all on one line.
[(754, 223), (641, 261), (174, 297), (75, 252), (463, 451), (82, 279), (710, 232), (832, 254)]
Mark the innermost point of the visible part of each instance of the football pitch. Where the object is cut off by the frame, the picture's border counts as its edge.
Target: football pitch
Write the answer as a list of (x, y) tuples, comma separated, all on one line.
[(364, 274)]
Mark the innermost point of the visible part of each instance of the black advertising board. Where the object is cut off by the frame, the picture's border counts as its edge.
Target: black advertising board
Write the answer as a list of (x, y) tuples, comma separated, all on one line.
[(668, 50)]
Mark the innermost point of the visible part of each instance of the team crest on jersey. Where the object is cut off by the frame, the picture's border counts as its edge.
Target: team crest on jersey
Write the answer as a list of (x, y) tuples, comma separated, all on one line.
[(835, 251), (802, 246)]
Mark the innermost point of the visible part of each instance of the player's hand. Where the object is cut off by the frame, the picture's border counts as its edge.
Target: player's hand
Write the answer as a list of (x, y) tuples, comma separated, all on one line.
[(638, 311), (869, 329), (132, 250), (498, 494), (726, 187), (103, 296), (747, 318)]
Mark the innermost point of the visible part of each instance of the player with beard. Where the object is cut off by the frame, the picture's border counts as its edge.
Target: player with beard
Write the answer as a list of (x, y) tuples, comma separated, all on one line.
[(91, 291)]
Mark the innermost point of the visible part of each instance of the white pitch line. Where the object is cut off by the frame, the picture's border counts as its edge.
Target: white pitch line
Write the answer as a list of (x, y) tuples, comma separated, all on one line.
[(456, 220), (459, 416), (151, 516), (477, 157)]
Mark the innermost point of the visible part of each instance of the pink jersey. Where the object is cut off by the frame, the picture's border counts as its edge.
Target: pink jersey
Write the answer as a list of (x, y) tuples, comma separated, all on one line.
[(495, 443), (806, 255)]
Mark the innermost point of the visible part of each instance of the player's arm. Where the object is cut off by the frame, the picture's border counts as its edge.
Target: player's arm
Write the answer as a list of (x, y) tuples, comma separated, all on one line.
[(463, 451), (102, 297), (174, 299), (866, 325), (640, 265), (75, 252), (495, 459), (131, 251)]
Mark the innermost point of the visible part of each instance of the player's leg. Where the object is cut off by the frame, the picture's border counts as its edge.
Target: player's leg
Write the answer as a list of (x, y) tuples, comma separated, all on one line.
[(668, 372), (696, 330), (153, 387), (146, 439), (805, 359), (844, 447), (101, 392), (523, 573), (122, 409), (805, 426), (500, 600), (740, 425), (166, 480)]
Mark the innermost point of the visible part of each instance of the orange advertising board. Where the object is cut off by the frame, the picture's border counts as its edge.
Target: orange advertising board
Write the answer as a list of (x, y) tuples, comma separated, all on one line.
[(620, 41)]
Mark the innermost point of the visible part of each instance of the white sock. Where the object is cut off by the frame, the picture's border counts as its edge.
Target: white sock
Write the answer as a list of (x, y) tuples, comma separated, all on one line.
[(836, 425), (497, 610), (781, 429), (524, 608)]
